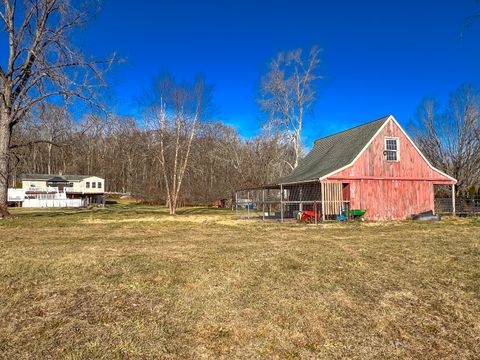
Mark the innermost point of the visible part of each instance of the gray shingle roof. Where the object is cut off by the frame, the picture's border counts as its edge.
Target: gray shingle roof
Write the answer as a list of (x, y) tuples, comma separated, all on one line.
[(46, 177), (57, 179), (333, 152)]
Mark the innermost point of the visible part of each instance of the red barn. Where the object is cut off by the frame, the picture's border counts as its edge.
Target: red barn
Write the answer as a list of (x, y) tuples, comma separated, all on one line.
[(375, 167)]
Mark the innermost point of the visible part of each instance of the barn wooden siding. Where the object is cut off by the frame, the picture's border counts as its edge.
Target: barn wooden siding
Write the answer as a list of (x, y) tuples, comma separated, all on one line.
[(332, 198), (391, 190)]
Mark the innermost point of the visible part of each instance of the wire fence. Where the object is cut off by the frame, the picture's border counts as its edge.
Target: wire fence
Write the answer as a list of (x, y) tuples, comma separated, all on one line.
[(295, 202), (463, 206)]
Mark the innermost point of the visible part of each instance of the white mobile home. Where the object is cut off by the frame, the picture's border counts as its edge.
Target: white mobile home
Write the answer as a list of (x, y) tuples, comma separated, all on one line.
[(42, 190)]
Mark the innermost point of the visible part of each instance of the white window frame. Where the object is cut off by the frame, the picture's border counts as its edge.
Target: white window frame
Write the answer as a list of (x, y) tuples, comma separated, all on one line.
[(385, 148)]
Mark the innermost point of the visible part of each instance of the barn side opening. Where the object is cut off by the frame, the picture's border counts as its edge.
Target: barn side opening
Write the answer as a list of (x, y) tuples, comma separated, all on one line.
[(319, 200)]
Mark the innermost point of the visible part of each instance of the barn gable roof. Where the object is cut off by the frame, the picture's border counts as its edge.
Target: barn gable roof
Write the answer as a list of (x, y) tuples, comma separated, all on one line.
[(334, 152)]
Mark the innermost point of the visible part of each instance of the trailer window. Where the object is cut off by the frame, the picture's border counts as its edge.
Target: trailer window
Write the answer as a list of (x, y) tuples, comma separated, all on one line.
[(391, 151)]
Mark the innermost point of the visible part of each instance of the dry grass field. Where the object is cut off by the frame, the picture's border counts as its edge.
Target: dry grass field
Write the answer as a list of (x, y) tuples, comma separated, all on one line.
[(133, 282)]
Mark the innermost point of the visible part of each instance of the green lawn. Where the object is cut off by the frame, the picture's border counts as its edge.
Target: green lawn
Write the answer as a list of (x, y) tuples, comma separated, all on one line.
[(133, 282)]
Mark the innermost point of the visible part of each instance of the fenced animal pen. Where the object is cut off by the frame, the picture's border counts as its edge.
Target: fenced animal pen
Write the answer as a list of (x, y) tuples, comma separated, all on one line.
[(321, 200), (462, 206)]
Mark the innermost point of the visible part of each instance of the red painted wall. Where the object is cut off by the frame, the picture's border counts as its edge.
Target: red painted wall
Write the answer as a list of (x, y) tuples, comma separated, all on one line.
[(391, 190), (391, 199)]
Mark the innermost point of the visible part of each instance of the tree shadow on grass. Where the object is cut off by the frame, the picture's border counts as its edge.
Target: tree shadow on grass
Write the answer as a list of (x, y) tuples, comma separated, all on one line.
[(202, 211), (51, 213), (119, 210)]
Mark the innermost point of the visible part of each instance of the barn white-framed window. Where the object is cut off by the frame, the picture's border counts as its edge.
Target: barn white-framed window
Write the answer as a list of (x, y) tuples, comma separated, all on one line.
[(392, 149), (88, 185)]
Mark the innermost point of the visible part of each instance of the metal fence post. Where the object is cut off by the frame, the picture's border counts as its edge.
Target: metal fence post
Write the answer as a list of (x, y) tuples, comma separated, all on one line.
[(263, 204), (281, 202), (300, 207), (269, 204)]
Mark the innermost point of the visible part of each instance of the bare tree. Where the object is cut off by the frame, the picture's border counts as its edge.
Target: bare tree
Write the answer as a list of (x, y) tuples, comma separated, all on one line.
[(54, 125), (288, 92), (175, 111), (450, 138), (41, 65)]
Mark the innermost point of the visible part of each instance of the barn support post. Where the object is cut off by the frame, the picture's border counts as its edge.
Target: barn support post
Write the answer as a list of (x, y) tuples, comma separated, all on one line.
[(281, 202), (248, 204), (263, 204), (453, 200), (316, 213), (322, 197)]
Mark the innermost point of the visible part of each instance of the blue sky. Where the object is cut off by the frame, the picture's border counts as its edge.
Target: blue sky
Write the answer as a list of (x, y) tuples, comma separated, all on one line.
[(379, 57)]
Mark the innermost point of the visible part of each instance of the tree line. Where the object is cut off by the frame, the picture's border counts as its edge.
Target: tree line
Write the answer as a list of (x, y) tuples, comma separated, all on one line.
[(128, 155)]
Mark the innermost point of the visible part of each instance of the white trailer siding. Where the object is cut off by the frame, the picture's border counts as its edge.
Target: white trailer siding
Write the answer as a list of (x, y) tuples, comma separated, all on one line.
[(53, 203)]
